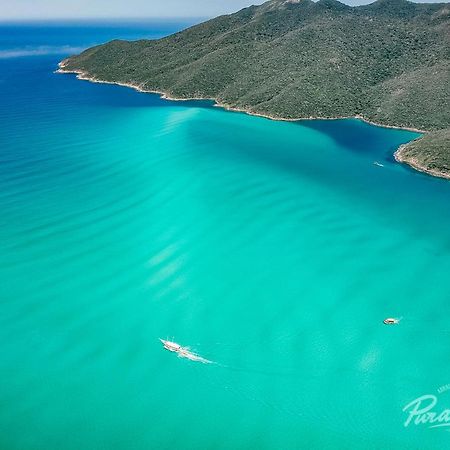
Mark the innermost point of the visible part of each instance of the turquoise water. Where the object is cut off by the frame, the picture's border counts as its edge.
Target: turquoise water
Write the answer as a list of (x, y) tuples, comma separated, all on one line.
[(273, 249)]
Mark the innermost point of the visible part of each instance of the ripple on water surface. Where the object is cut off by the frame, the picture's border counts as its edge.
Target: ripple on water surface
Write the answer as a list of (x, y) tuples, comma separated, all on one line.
[(273, 249)]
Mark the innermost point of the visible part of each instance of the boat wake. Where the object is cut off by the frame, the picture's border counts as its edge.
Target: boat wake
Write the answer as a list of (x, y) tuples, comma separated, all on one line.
[(183, 352)]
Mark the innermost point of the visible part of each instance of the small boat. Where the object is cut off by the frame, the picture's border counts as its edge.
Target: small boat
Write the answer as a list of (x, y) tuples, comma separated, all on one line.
[(376, 163), (183, 352), (171, 346), (391, 321)]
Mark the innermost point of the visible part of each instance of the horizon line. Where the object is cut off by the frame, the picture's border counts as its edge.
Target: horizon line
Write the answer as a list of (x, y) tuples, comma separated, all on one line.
[(104, 19), (182, 18)]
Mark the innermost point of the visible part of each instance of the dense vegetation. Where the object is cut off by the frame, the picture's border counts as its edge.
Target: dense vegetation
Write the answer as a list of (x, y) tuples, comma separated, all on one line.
[(388, 61), (430, 153)]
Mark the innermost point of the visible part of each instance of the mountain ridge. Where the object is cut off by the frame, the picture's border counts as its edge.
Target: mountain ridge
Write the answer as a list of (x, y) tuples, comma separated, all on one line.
[(388, 62)]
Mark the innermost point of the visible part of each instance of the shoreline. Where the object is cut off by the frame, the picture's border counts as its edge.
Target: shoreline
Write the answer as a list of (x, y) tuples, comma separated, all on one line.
[(81, 75)]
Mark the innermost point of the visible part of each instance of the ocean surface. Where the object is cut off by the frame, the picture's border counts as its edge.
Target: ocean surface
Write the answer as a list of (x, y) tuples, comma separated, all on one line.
[(273, 249)]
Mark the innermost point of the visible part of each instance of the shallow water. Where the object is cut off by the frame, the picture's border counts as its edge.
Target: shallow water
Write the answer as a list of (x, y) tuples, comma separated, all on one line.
[(273, 249)]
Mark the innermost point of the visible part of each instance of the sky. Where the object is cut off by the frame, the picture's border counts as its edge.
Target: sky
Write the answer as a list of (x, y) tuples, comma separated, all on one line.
[(75, 9)]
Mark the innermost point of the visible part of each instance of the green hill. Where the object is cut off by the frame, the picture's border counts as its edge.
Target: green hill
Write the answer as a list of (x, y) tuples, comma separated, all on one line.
[(388, 62)]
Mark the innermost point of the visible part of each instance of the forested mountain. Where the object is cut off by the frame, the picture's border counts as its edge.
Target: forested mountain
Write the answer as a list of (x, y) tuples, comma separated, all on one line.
[(388, 62)]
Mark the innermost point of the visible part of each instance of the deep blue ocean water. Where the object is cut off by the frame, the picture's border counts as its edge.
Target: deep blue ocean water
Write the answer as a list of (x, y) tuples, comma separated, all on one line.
[(273, 249)]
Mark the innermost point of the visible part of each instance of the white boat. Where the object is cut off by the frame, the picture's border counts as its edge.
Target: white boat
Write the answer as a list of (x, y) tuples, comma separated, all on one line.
[(376, 163), (391, 321), (171, 346), (183, 352)]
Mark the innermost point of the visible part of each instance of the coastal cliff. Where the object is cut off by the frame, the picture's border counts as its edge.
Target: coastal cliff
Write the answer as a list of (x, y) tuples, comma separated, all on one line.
[(387, 62)]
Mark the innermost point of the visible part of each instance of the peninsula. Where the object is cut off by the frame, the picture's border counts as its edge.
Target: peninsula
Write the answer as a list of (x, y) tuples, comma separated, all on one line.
[(387, 62)]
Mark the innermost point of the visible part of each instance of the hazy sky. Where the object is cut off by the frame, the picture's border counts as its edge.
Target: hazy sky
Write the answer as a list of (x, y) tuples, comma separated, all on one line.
[(47, 9)]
